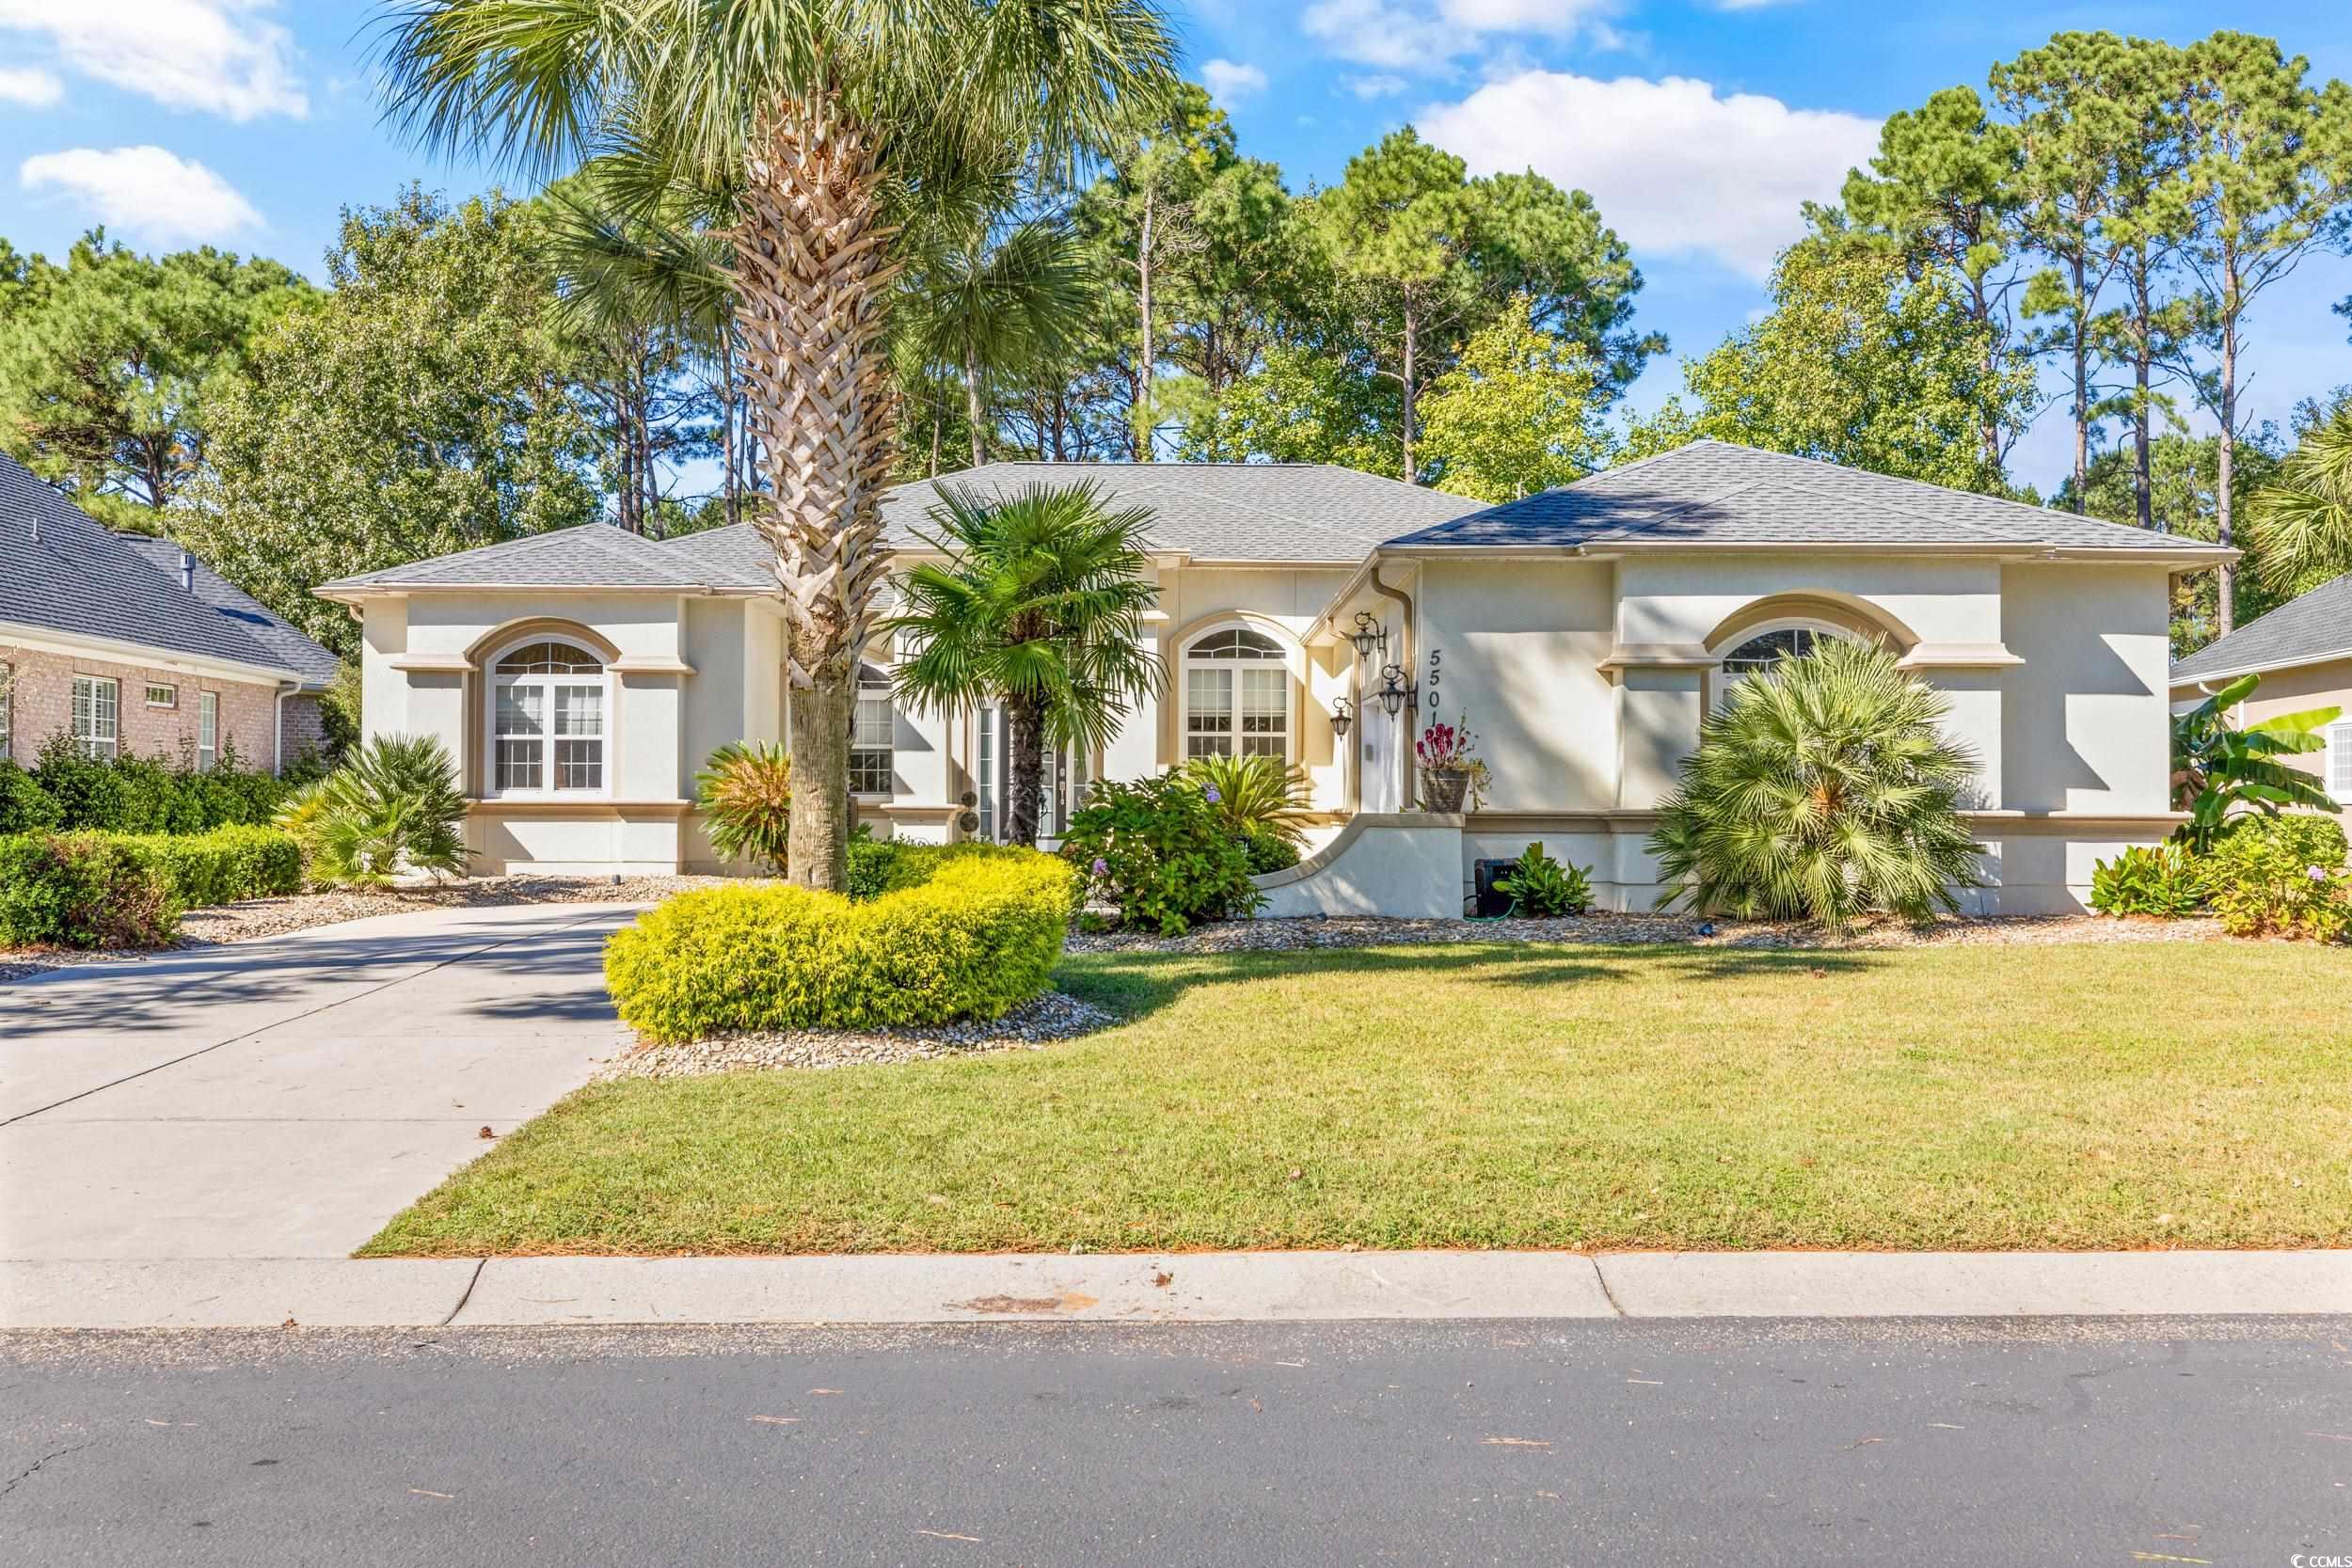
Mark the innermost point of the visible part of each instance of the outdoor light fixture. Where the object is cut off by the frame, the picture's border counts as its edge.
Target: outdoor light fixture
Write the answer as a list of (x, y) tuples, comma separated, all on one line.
[(1369, 634), (1342, 715), (1395, 690)]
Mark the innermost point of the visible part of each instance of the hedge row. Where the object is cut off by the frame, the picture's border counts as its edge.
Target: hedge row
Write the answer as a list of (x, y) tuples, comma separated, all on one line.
[(127, 889), (968, 931), (67, 791)]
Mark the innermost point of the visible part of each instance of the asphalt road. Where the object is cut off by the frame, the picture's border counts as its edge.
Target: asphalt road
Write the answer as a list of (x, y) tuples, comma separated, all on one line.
[(1557, 1444)]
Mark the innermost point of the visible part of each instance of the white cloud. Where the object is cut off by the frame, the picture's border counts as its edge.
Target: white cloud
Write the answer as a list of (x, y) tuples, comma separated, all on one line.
[(146, 191), (1676, 168), (221, 56), (1370, 87), (1232, 83), (1428, 34), (33, 89)]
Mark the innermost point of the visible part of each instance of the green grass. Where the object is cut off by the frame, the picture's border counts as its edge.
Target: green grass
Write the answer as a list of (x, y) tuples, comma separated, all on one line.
[(2085, 1096)]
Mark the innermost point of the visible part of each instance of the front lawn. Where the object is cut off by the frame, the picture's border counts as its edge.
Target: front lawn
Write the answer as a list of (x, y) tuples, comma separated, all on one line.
[(2068, 1095)]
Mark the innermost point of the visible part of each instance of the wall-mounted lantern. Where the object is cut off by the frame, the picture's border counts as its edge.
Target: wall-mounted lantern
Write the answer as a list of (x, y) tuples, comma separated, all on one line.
[(1395, 692), (1369, 634), (1342, 715)]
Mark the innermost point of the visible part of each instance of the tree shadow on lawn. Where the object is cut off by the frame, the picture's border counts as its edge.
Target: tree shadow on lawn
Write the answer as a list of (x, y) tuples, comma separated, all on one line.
[(1135, 985)]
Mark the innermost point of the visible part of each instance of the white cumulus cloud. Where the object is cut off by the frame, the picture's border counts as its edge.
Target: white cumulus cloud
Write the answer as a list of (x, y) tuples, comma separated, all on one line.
[(221, 56), (33, 89), (145, 191), (1676, 167), (1429, 34), (1230, 83)]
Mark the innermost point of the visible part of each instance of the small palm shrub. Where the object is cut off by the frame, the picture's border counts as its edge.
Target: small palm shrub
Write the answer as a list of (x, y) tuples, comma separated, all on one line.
[(1163, 852), (745, 791), (2164, 880), (2282, 875), (975, 933), (1253, 794), (1540, 886), (393, 807), (82, 890), (1821, 789)]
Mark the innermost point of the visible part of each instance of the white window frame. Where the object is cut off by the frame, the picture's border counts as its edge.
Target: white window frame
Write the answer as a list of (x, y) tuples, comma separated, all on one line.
[(2336, 761), (1188, 662), (171, 694), (207, 731), (494, 683), (1725, 677), (111, 739), (874, 688)]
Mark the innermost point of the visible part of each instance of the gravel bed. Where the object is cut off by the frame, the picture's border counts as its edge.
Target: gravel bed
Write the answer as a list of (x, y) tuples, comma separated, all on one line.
[(276, 917), (1030, 1027), (1243, 936)]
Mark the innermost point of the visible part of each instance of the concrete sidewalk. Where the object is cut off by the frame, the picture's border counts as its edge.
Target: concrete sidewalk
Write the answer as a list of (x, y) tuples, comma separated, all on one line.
[(1177, 1288)]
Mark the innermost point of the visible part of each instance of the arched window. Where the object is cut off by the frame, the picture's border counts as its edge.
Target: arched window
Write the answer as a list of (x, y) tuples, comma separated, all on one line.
[(548, 719), (1761, 649), (1237, 695)]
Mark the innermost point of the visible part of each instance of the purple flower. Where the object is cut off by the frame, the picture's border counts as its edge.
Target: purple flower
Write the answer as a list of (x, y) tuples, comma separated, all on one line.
[(1102, 866), (2317, 874), (1214, 796)]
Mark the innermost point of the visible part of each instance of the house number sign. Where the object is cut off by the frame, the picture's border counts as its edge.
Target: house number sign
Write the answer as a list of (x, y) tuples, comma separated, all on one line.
[(1433, 656)]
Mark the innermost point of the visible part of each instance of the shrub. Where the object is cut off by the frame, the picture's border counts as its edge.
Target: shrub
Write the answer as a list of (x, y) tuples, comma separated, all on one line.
[(1159, 849), (226, 864), (745, 791), (82, 890), (2282, 875), (875, 865), (1820, 790), (1268, 852), (147, 794), (1541, 886), (393, 807), (1253, 794), (2166, 880), (25, 806), (976, 934)]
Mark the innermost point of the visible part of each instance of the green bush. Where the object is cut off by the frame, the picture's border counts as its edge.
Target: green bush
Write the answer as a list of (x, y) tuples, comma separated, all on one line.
[(1162, 852), (226, 864), (974, 937), (82, 890), (1268, 852), (148, 794), (875, 864), (1542, 887), (2281, 876), (1256, 795), (393, 807), (2166, 880), (25, 806)]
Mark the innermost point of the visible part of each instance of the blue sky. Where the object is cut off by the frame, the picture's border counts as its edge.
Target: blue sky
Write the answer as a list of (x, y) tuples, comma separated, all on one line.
[(1697, 126)]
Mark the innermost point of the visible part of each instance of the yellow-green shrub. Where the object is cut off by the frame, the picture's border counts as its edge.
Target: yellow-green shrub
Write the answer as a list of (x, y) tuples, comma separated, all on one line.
[(972, 932)]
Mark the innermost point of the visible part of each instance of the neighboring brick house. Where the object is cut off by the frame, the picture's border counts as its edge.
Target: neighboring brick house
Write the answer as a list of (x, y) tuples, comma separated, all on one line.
[(132, 647)]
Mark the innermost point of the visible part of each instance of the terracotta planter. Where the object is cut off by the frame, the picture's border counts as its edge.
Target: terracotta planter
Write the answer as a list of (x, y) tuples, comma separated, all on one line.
[(1443, 790)]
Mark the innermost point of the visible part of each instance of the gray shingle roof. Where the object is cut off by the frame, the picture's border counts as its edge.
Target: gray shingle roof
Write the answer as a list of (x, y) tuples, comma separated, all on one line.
[(83, 578), (1714, 492), (1275, 513), (2316, 625)]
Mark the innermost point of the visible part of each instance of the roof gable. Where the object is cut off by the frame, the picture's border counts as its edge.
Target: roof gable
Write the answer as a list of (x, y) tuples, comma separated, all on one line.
[(2308, 629)]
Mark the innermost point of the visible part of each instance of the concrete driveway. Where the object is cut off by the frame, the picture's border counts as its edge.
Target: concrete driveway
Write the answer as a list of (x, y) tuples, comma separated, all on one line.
[(283, 1098)]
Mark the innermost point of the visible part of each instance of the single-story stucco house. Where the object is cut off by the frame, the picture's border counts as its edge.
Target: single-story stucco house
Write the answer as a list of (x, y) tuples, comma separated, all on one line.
[(2303, 652), (128, 645), (582, 677)]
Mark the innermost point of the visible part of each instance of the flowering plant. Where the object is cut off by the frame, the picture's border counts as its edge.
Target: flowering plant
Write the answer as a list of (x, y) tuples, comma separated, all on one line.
[(1451, 749)]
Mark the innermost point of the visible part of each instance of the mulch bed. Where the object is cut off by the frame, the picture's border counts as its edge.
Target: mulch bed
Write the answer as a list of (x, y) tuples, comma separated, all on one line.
[(1030, 1027)]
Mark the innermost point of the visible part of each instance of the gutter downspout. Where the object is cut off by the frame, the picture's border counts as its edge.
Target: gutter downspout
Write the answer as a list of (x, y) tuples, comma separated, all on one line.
[(1403, 662), (278, 728)]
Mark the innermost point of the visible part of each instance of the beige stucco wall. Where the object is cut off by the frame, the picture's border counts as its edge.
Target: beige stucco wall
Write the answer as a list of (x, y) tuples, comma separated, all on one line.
[(1520, 644), (2083, 721)]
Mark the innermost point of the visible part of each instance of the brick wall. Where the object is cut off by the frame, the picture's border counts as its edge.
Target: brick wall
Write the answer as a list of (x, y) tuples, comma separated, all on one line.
[(41, 704)]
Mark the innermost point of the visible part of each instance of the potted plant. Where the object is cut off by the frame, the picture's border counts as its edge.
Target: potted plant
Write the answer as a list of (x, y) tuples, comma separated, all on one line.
[(1450, 772)]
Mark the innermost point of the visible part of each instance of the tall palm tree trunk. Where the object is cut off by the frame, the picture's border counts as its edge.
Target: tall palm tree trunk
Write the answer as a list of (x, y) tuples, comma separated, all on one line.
[(812, 267), (1025, 747)]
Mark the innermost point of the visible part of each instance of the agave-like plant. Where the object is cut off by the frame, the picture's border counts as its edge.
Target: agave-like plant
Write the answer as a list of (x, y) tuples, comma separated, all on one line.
[(745, 791), (1255, 794), (2221, 771), (1821, 790), (394, 807)]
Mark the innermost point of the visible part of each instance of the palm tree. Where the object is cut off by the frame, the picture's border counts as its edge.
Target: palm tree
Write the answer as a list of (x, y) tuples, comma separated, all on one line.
[(1040, 607), (1821, 789), (2221, 772), (802, 129), (2302, 525), (988, 305)]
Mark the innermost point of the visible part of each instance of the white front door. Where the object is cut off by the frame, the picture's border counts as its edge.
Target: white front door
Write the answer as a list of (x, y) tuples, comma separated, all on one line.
[(1382, 735)]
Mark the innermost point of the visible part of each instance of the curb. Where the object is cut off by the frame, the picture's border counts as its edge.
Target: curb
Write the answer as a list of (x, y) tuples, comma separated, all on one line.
[(1232, 1287)]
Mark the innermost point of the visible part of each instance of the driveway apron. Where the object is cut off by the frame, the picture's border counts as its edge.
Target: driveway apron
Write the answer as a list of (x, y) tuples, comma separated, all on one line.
[(284, 1098)]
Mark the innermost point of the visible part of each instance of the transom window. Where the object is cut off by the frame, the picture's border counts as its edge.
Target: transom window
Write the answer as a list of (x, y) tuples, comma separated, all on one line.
[(547, 720), (162, 696), (97, 709), (1765, 649), (871, 730), (1237, 695)]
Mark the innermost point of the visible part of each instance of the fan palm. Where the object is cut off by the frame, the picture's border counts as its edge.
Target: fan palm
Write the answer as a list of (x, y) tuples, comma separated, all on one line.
[(2221, 772), (1255, 794), (1039, 606), (2302, 525), (1822, 790), (988, 304), (798, 129)]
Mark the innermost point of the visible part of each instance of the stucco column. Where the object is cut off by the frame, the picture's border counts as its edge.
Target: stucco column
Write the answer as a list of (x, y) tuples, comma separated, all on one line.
[(1135, 751), (1658, 726), (1975, 722)]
